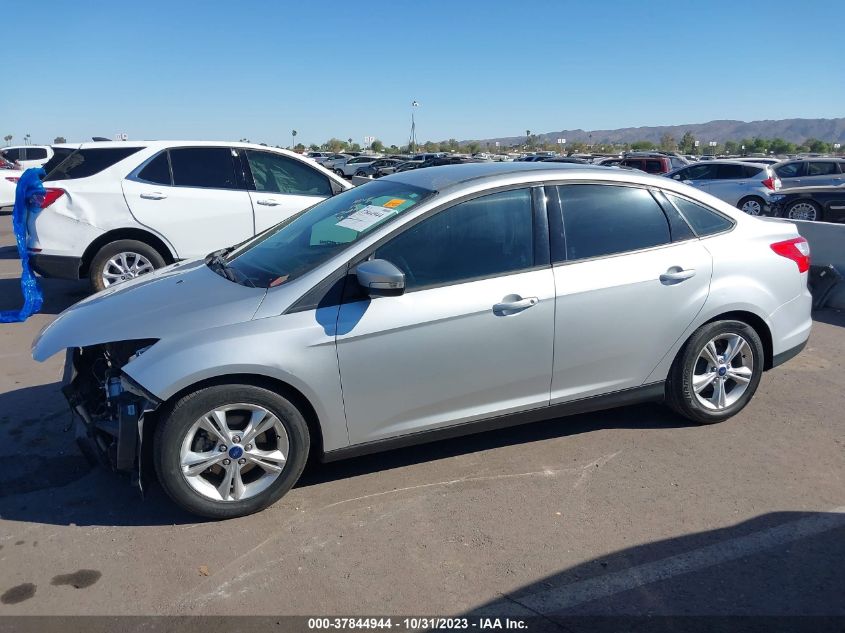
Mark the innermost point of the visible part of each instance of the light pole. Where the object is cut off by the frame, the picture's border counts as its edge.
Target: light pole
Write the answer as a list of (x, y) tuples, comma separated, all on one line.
[(412, 141)]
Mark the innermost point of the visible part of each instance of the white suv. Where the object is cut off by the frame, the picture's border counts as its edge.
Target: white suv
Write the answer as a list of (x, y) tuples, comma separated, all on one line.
[(26, 156), (116, 210)]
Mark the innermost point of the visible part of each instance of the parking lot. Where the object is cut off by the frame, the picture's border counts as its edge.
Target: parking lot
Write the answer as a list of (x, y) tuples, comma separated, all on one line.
[(630, 511)]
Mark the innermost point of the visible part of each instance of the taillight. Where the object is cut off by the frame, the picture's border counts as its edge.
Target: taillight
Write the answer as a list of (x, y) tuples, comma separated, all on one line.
[(769, 183), (52, 194), (796, 249)]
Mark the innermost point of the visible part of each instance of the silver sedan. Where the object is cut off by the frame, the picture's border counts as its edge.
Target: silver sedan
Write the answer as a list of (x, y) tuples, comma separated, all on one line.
[(427, 305)]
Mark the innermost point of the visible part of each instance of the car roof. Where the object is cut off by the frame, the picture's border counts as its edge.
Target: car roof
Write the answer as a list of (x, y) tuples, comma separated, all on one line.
[(445, 177)]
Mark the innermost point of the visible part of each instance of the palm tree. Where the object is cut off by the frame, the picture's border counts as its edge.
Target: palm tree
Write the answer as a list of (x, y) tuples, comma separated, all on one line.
[(8, 138)]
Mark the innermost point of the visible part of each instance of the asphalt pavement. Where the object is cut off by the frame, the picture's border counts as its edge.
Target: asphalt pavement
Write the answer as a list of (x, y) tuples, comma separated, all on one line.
[(626, 512)]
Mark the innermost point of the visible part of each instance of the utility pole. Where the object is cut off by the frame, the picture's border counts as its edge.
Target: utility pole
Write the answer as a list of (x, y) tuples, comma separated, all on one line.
[(412, 140)]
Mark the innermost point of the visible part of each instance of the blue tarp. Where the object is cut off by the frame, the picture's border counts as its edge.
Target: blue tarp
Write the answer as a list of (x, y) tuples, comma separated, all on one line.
[(28, 196)]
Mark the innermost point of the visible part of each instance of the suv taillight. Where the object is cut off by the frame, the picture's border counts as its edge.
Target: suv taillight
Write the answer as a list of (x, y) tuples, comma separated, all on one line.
[(796, 249), (52, 194), (769, 183)]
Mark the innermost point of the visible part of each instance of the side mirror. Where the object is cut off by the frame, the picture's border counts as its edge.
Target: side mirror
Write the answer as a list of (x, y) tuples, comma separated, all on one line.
[(380, 278)]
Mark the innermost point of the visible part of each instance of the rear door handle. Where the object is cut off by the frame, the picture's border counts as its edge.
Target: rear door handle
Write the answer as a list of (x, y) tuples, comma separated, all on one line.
[(512, 306), (269, 203), (153, 196), (676, 273)]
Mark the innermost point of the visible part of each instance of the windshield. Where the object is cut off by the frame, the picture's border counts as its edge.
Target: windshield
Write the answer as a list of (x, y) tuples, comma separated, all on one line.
[(294, 247)]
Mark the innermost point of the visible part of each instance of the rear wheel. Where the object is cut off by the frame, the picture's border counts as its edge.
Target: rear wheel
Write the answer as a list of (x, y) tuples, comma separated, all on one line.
[(121, 261), (752, 205), (804, 210), (226, 451), (717, 372)]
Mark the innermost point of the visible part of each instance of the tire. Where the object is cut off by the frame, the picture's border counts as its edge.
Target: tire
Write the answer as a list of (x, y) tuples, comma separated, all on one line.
[(360, 174), (754, 205), (339, 172), (142, 256), (201, 493), (808, 210), (691, 367)]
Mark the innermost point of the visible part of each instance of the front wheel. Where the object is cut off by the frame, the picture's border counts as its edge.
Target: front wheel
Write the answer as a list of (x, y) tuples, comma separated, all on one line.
[(717, 372), (121, 261), (226, 451)]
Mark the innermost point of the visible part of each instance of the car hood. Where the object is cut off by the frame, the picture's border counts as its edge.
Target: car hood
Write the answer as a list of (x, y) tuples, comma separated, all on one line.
[(171, 301)]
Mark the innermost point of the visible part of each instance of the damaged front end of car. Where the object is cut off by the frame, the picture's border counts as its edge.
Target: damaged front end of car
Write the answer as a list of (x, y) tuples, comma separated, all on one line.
[(109, 408)]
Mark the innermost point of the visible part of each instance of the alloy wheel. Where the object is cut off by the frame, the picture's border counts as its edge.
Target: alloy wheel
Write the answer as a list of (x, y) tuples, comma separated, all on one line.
[(722, 371), (802, 211), (125, 266), (234, 452), (752, 207)]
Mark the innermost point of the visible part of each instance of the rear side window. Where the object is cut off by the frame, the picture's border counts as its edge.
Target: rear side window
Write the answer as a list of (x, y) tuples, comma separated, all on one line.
[(157, 170), (750, 171), (207, 167), (605, 220), (36, 153), (702, 220), (821, 169), (12, 154), (87, 162), (654, 166), (490, 235), (790, 170), (279, 174), (730, 172), (59, 154)]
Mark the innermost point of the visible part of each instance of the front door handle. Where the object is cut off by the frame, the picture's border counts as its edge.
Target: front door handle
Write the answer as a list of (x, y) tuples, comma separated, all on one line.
[(514, 303), (153, 196), (676, 274), (269, 202)]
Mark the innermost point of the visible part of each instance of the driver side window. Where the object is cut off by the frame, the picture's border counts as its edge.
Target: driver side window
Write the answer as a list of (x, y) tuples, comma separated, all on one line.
[(484, 237)]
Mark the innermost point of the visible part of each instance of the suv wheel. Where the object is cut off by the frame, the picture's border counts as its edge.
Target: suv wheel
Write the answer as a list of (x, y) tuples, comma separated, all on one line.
[(751, 205), (716, 373), (230, 450), (121, 261)]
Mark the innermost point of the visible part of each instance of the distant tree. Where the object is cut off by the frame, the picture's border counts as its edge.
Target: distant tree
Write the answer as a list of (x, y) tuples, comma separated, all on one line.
[(314, 147), (668, 143), (8, 138), (642, 145), (443, 147), (59, 139), (377, 146), (816, 146), (355, 147), (335, 145), (453, 145), (687, 145), (732, 147), (299, 147), (394, 149), (780, 146), (473, 148), (430, 146)]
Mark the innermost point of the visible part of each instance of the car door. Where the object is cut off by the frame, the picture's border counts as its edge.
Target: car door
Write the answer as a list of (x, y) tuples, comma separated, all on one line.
[(195, 197), (730, 182), (628, 284), (281, 186), (792, 174), (472, 335), (821, 173)]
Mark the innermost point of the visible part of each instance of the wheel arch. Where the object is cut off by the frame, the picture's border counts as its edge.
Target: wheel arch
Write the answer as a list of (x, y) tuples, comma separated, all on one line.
[(128, 233), (258, 380), (755, 321)]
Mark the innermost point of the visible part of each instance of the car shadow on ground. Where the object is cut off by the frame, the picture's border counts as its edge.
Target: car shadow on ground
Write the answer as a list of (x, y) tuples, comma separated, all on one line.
[(762, 574), (59, 294), (9, 252), (56, 485)]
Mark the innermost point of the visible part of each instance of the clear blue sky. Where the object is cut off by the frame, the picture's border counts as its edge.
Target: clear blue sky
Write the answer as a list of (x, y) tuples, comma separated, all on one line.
[(479, 68)]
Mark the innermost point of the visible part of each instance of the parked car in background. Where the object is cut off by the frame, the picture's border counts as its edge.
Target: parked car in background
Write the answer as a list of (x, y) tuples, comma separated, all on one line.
[(811, 172), (321, 157), (759, 161), (565, 159), (117, 210), (379, 168), (611, 161), (26, 156), (407, 166), (350, 167), (810, 203), (305, 340), (746, 186), (9, 177), (652, 162)]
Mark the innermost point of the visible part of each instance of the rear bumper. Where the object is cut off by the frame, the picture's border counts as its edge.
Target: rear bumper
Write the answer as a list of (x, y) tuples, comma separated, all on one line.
[(55, 266), (780, 359)]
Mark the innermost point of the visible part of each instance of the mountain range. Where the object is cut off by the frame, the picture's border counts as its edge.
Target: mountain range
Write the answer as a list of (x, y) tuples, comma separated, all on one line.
[(792, 130)]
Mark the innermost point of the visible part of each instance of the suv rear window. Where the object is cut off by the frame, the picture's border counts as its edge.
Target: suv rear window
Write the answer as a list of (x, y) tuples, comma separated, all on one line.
[(59, 154), (89, 161)]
